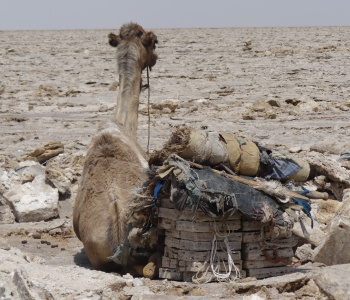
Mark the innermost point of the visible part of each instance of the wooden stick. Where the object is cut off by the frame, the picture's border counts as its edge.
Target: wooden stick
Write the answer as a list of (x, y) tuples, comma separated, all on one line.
[(253, 183)]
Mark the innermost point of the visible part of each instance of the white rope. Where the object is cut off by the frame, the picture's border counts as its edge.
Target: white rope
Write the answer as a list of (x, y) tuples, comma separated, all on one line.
[(202, 279), (215, 259), (215, 262), (230, 262)]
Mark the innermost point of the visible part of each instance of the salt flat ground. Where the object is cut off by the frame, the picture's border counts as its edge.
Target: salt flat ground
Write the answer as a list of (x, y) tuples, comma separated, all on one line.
[(56, 85)]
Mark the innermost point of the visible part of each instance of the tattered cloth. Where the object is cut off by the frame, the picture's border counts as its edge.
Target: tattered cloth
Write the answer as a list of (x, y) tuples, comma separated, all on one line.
[(218, 196)]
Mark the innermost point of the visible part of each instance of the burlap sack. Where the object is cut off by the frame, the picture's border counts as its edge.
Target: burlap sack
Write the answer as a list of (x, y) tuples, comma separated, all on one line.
[(199, 148), (303, 174), (250, 159), (233, 150), (244, 158), (205, 148)]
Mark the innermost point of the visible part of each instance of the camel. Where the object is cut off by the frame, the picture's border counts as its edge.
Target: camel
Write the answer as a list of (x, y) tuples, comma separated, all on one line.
[(115, 164)]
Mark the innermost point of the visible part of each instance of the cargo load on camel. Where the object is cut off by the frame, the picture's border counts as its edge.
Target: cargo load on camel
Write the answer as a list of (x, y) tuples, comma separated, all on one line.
[(218, 207)]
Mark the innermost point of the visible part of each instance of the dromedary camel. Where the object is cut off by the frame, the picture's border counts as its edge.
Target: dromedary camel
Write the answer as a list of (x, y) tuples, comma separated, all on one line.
[(115, 164)]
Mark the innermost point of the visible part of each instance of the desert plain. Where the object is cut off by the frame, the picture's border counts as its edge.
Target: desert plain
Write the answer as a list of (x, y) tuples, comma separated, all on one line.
[(286, 88)]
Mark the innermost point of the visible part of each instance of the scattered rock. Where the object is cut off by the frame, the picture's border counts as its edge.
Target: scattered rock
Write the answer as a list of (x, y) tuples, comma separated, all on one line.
[(55, 231), (49, 91), (345, 164), (273, 102), (137, 282), (31, 172), (8, 178), (339, 235), (137, 291), (65, 169), (259, 106), (114, 86), (310, 291), (103, 108), (166, 106), (329, 146), (294, 102), (71, 92), (270, 116), (248, 117), (33, 201), (330, 168), (304, 253), (58, 178), (4, 245), (6, 215), (296, 149), (326, 210), (24, 285), (247, 46), (333, 281), (48, 151), (309, 106), (314, 235)]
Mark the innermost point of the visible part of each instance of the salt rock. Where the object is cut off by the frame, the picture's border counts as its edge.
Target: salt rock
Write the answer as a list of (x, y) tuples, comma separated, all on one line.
[(329, 167), (273, 102), (326, 210), (248, 117), (58, 179), (31, 172), (48, 151), (33, 201), (6, 215), (8, 178), (295, 149), (304, 253), (167, 106), (309, 291), (333, 281), (259, 106), (309, 106), (103, 108), (314, 235), (335, 247), (345, 164), (4, 244)]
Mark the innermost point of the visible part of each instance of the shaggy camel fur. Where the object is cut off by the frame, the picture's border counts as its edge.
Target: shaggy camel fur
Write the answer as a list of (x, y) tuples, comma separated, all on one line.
[(115, 165)]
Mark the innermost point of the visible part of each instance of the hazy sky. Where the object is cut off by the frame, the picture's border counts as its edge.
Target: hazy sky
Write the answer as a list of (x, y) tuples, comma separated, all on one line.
[(110, 14)]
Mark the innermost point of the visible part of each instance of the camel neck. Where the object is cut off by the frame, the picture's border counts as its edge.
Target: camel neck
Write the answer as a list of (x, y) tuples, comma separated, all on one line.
[(128, 102)]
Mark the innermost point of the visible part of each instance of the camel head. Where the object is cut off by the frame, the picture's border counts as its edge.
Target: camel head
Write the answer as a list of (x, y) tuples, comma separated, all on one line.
[(135, 51), (146, 41)]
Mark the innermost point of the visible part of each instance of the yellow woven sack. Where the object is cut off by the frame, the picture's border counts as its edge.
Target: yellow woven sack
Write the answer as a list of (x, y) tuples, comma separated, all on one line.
[(233, 150), (303, 174), (250, 159)]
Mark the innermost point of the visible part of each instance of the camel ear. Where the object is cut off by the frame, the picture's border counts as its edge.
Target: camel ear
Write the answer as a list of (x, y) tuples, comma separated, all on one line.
[(148, 38), (113, 39)]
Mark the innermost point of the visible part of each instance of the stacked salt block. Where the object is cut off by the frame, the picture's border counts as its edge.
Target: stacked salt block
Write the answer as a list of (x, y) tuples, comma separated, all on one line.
[(266, 257), (188, 245)]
